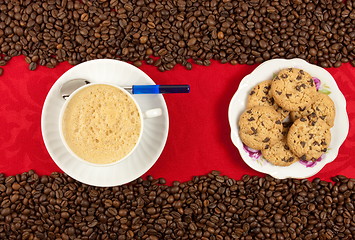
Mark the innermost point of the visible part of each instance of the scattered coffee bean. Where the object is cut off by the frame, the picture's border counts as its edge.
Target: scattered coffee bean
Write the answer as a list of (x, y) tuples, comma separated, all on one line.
[(244, 32), (207, 207), (137, 63), (32, 66)]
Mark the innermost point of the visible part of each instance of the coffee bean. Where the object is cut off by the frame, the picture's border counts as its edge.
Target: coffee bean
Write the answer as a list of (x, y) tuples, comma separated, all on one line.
[(32, 66), (79, 39), (189, 66), (16, 186), (162, 52), (5, 211), (84, 17), (207, 207), (122, 212), (143, 39), (220, 35), (137, 63), (257, 31), (191, 42), (151, 25)]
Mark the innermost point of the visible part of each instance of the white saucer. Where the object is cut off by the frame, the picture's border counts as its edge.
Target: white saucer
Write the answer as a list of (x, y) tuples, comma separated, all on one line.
[(328, 86), (154, 135)]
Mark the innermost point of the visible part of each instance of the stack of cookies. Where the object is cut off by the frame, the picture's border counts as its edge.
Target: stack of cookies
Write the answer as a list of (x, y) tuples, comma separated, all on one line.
[(287, 118)]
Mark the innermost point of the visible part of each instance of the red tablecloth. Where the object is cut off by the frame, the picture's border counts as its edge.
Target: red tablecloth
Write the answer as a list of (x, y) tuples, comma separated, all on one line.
[(198, 140)]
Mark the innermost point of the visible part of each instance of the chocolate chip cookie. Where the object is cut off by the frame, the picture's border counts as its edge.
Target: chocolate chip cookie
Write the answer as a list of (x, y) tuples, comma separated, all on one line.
[(286, 127), (260, 127), (309, 138), (293, 89), (279, 154), (323, 108), (260, 96)]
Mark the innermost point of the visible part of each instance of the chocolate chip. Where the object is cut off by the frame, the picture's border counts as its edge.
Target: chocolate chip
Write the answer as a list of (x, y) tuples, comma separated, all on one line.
[(301, 108), (288, 95), (278, 122), (303, 144), (316, 143), (299, 77), (251, 119), (267, 139), (302, 119), (284, 75), (311, 135), (264, 99), (302, 72), (252, 92), (266, 146), (254, 130), (278, 92), (286, 147), (303, 157), (290, 159), (324, 150), (322, 117), (298, 88), (312, 115)]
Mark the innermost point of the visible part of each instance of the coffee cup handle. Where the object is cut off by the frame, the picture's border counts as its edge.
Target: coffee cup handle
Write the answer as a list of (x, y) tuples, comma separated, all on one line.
[(152, 113)]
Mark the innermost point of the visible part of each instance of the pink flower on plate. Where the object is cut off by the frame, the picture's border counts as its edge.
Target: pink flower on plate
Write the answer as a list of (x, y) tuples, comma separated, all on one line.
[(311, 163), (323, 89), (255, 154), (317, 82)]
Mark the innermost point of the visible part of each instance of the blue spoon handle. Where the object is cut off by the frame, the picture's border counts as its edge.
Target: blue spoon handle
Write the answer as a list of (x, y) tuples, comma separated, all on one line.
[(156, 89)]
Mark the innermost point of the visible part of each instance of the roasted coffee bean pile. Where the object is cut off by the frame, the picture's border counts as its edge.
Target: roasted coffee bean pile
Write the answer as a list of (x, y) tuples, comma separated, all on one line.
[(207, 207), (174, 31)]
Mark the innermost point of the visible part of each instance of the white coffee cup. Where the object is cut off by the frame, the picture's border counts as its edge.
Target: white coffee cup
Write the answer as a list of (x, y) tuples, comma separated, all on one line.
[(151, 113)]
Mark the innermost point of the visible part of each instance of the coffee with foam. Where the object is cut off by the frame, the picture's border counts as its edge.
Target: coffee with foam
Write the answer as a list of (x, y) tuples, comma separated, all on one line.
[(101, 124)]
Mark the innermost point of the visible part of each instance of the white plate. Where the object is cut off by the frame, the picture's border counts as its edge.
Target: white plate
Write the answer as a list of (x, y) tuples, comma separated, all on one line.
[(154, 134), (328, 85)]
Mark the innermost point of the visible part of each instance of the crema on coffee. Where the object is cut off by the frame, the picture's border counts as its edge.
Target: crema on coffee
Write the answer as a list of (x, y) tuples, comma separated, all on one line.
[(101, 124)]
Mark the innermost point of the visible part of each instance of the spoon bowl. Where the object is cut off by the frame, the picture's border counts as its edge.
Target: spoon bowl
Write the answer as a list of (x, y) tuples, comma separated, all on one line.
[(69, 87)]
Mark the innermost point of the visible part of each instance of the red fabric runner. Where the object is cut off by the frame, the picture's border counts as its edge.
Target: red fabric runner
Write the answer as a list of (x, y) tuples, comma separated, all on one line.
[(198, 140)]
